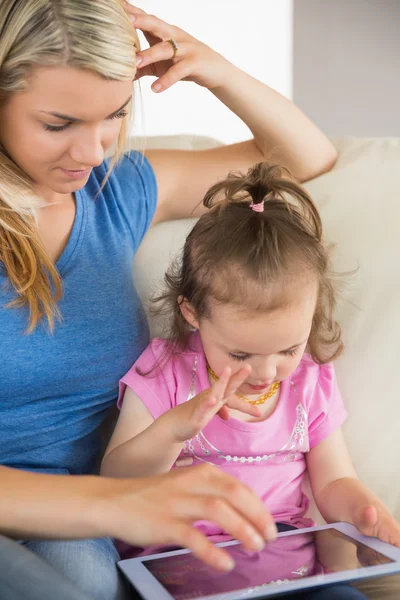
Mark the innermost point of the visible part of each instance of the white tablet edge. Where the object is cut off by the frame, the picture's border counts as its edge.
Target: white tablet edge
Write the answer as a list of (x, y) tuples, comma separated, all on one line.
[(150, 588)]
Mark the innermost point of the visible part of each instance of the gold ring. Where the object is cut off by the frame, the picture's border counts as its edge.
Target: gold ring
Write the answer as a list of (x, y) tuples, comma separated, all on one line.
[(175, 46)]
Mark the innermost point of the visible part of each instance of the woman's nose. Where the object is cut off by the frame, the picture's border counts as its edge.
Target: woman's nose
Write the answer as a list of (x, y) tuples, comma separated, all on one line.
[(88, 151)]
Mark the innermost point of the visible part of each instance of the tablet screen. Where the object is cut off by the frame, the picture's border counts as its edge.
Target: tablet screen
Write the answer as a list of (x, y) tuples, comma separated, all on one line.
[(288, 558)]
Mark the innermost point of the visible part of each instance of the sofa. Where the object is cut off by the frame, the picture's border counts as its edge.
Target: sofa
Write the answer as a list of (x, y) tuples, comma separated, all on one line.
[(359, 201)]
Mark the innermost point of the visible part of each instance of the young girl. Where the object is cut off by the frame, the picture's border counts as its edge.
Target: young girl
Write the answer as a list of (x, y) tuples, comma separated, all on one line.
[(245, 379)]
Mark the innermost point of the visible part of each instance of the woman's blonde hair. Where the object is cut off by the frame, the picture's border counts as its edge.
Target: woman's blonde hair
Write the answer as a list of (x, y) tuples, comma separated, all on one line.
[(85, 34)]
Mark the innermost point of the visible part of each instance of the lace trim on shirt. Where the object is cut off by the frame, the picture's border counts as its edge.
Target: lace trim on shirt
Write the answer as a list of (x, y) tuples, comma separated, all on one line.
[(297, 443)]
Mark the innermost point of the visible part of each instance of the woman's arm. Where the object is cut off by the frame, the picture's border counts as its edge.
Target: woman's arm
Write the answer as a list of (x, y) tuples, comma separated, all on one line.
[(341, 496), (142, 512), (282, 133)]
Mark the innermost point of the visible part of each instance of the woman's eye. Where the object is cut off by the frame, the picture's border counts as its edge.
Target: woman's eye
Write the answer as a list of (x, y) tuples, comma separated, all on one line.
[(56, 127), (239, 356), (120, 115)]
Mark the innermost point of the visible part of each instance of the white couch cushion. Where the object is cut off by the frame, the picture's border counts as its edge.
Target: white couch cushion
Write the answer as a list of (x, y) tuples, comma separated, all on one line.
[(359, 202)]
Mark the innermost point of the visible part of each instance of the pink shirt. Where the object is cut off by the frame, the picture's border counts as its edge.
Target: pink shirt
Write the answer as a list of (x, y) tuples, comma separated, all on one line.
[(268, 455)]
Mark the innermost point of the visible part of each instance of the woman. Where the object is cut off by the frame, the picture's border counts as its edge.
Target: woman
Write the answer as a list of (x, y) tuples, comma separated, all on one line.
[(70, 320)]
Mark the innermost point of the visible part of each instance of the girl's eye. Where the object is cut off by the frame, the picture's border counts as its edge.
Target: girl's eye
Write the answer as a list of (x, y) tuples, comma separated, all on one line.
[(239, 356), (120, 115), (292, 352)]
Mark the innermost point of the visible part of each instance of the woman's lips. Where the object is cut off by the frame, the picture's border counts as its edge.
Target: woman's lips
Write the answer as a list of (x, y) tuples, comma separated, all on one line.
[(73, 174)]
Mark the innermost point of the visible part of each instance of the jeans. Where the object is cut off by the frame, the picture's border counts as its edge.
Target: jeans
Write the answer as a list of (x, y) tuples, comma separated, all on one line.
[(334, 592), (65, 570), (86, 570)]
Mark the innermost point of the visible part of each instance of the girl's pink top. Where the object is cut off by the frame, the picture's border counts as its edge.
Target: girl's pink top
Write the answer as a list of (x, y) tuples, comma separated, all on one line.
[(269, 455)]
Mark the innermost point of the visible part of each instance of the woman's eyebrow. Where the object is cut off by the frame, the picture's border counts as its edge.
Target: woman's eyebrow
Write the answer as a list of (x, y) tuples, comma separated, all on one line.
[(75, 120)]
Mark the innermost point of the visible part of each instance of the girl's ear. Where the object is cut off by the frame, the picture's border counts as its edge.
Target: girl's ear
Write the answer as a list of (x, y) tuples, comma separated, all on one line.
[(188, 312)]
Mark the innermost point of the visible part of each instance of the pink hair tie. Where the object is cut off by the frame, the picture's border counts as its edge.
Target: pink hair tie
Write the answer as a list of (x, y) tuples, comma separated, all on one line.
[(259, 207)]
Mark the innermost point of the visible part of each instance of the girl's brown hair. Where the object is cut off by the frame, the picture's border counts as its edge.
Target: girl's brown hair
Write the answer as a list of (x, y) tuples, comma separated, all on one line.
[(254, 259)]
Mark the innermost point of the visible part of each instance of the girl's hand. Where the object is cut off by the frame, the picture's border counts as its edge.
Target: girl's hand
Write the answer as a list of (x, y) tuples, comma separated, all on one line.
[(186, 420), (163, 509), (192, 61), (379, 523)]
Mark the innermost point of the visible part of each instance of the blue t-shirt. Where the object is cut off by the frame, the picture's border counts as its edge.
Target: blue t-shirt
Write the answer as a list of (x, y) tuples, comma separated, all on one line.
[(55, 388)]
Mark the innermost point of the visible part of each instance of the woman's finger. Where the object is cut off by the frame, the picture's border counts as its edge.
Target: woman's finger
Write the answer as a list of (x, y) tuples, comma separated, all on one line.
[(133, 10), (211, 481), (189, 537), (178, 72), (222, 513), (160, 52), (156, 27)]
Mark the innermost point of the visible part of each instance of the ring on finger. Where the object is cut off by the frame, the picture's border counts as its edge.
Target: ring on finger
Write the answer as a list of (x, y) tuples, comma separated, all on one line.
[(175, 47)]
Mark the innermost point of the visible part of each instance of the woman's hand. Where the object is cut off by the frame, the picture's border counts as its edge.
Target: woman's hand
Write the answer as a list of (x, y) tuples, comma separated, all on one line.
[(186, 420), (162, 510), (191, 61), (378, 522)]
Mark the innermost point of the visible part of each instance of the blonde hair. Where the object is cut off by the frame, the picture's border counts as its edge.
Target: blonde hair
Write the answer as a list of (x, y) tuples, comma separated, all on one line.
[(95, 36)]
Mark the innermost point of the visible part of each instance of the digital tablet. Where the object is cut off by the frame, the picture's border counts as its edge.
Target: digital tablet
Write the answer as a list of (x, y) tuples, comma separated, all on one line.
[(296, 560)]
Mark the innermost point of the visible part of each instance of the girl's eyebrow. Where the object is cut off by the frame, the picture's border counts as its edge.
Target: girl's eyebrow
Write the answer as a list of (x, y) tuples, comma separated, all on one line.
[(295, 346), (286, 350), (75, 120)]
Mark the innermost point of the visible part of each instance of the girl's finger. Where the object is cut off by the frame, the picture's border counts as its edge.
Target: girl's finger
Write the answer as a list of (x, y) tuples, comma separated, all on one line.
[(367, 518), (205, 409), (187, 461), (238, 379), (245, 407), (219, 387), (224, 413)]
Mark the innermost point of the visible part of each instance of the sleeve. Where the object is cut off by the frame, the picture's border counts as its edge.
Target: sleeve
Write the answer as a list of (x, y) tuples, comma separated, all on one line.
[(152, 383), (135, 188), (327, 412)]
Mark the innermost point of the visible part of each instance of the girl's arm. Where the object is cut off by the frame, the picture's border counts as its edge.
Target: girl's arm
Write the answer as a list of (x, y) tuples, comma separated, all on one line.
[(341, 496), (142, 446), (282, 133)]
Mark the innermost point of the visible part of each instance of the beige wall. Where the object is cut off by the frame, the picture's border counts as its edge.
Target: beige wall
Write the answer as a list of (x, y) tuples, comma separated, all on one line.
[(347, 65)]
